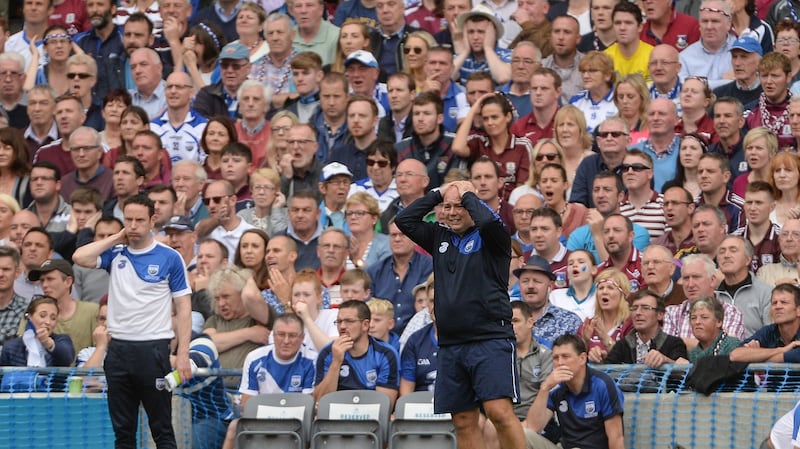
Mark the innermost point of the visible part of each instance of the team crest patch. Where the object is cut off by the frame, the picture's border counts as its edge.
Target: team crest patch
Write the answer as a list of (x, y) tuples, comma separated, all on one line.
[(152, 270), (511, 167), (537, 371), (766, 259), (469, 246), (681, 42), (372, 376), (590, 409), (452, 112), (70, 18), (295, 382)]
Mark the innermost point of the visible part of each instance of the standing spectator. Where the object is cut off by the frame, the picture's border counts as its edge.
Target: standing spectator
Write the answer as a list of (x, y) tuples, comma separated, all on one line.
[(710, 57), (483, 53), (180, 127), (35, 14), (565, 59), (740, 287), (222, 13), (41, 114), (139, 350), (630, 54), (150, 91), (104, 43), (772, 108), (86, 150), (761, 232), (665, 25), (313, 33)]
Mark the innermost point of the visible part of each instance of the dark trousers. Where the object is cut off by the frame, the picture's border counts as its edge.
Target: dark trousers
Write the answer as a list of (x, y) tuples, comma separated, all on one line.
[(135, 373)]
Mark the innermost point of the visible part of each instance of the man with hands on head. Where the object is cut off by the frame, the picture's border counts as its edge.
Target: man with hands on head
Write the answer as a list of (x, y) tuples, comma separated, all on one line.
[(477, 349), (588, 403), (481, 31), (147, 278)]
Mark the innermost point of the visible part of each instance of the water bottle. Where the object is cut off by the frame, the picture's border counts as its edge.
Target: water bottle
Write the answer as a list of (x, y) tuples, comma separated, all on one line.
[(174, 380)]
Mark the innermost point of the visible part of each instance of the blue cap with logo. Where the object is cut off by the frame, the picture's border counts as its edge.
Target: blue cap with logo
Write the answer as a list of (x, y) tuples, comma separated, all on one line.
[(748, 44)]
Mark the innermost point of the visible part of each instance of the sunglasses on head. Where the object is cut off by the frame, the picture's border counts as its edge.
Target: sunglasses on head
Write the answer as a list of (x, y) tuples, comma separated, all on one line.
[(214, 199), (416, 50), (550, 157), (380, 163)]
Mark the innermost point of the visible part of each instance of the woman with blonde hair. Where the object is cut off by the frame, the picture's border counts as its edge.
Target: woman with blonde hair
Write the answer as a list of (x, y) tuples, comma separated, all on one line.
[(415, 53), (597, 100), (760, 146), (546, 151), (611, 321), (250, 25), (785, 176), (366, 246), (353, 36), (569, 127), (632, 99), (269, 209), (8, 207)]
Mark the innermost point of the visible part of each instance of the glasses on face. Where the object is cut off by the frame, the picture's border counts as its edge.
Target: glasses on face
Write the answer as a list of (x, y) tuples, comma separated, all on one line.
[(5, 75), (717, 10), (232, 65), (676, 203), (382, 163), (356, 213), (614, 134), (214, 199), (286, 335), (177, 86), (84, 149), (787, 40), (346, 321), (82, 76), (550, 157), (524, 212), (624, 168), (299, 142), (262, 188), (790, 235), (280, 129), (642, 307), (416, 50)]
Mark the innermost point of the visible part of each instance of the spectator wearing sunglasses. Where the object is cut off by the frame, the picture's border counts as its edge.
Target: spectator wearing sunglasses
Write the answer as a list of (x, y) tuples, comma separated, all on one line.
[(710, 57), (641, 204), (379, 183), (223, 224), (613, 138)]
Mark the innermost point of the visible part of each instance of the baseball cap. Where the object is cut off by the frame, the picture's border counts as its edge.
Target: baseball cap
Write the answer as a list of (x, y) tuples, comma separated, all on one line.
[(51, 265), (362, 56), (536, 263), (234, 50), (481, 11), (179, 223), (334, 169), (748, 44)]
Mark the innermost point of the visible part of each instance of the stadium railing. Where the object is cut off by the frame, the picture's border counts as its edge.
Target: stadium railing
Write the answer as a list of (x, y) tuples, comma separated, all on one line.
[(67, 408)]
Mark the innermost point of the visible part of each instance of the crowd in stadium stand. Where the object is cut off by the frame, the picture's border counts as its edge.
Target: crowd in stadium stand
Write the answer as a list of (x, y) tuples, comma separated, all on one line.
[(644, 157)]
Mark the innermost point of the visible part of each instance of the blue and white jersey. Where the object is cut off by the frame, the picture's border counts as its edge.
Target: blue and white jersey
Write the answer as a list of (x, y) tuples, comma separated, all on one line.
[(419, 360), (263, 373), (384, 198), (472, 65), (595, 113), (141, 288), (377, 368), (182, 142)]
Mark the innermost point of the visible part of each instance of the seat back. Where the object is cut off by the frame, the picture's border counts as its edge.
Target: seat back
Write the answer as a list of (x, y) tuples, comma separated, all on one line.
[(351, 419), (278, 421), (416, 425)]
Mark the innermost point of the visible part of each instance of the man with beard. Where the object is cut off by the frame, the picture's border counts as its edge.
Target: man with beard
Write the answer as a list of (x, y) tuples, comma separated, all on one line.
[(771, 110), (136, 33), (104, 43), (566, 58), (622, 255), (362, 118), (429, 143)]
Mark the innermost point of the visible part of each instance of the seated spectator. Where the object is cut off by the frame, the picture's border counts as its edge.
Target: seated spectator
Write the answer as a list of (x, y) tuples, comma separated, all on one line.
[(13, 306), (710, 56), (307, 302), (218, 133), (251, 253), (367, 247), (212, 256), (354, 351), (570, 380), (236, 162), (379, 183), (269, 204), (483, 31), (253, 129), (784, 270), (419, 362), (760, 147), (641, 204), (534, 287), (546, 151), (546, 231), (740, 287), (527, 205), (554, 185), (382, 322), (86, 150), (223, 224), (696, 98), (785, 168), (597, 100), (231, 327), (579, 297), (658, 268), (772, 107), (355, 285), (706, 315), (714, 174), (611, 321), (647, 344), (15, 170), (761, 232), (39, 346), (775, 342), (618, 235)]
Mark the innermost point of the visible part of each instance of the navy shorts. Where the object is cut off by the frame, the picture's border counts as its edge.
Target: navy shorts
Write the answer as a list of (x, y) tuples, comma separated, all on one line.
[(471, 373)]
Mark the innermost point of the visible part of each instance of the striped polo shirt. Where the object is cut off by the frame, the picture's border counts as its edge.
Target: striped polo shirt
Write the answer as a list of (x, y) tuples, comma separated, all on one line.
[(650, 216)]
